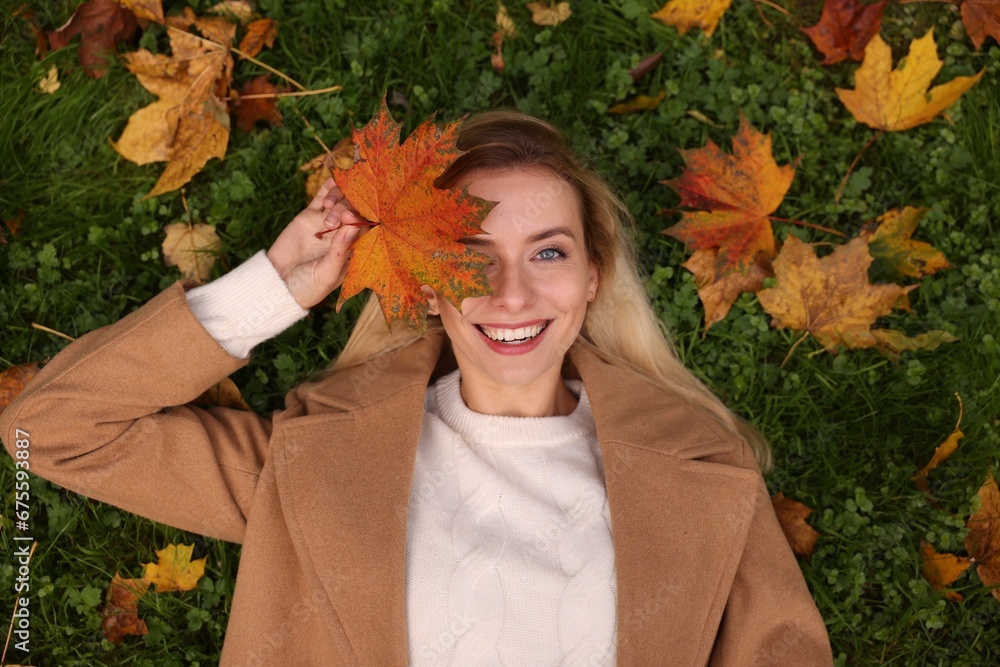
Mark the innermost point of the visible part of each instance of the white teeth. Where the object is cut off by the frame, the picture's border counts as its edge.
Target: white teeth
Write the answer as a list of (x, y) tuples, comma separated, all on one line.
[(509, 335)]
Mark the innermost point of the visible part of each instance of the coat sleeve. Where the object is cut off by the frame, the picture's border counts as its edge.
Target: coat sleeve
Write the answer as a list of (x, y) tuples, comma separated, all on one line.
[(770, 617), (108, 418)]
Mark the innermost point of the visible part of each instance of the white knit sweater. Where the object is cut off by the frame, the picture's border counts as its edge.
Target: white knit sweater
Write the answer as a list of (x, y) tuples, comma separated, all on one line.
[(509, 559)]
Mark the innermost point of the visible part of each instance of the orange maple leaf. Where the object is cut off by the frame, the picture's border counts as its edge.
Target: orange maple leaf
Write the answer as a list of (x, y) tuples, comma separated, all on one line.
[(687, 14), (941, 570), (983, 539), (831, 298), (792, 517), (251, 105), (417, 227), (942, 452), (894, 100), (120, 616), (740, 191), (175, 570), (14, 380), (845, 28), (260, 33)]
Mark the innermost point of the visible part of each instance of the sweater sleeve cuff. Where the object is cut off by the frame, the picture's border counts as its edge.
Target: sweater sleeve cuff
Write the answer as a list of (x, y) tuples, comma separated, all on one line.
[(245, 307)]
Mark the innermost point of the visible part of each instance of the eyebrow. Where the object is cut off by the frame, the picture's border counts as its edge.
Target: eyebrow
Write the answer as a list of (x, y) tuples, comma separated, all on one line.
[(540, 236)]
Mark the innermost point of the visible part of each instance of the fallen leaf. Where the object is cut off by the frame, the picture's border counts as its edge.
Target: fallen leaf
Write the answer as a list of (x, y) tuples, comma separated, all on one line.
[(120, 615), (893, 343), (982, 20), (792, 517), (639, 103), (845, 28), (148, 10), (191, 248), (224, 394), (189, 123), (14, 224), (896, 255), (260, 33), (415, 240), (551, 14), (942, 452), (983, 540), (831, 298), (237, 9), (50, 82), (941, 570), (101, 25), (250, 110), (41, 39), (13, 381), (320, 167), (740, 192), (687, 14), (505, 24), (894, 100), (718, 295), (175, 570), (645, 66)]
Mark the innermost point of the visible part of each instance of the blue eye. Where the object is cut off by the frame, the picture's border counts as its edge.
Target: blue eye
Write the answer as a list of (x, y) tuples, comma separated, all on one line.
[(556, 254)]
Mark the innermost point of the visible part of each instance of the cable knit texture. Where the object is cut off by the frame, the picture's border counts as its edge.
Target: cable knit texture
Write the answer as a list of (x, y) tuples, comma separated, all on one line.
[(509, 559)]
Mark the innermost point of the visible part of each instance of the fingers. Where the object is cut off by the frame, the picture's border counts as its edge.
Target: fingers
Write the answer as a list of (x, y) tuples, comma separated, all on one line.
[(328, 192)]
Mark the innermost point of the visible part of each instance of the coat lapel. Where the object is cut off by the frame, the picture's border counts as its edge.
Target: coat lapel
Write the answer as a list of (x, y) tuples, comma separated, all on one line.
[(344, 473)]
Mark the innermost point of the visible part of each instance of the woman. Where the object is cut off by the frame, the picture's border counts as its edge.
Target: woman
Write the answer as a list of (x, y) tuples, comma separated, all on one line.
[(536, 481)]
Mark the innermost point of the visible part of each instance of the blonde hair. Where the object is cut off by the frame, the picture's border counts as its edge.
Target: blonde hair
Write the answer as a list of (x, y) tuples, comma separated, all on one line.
[(620, 325)]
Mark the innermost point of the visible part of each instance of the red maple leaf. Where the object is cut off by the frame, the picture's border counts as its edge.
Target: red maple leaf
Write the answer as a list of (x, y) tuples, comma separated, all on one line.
[(845, 28)]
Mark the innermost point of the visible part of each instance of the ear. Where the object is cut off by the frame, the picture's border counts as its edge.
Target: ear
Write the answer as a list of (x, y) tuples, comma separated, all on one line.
[(593, 280), (432, 300)]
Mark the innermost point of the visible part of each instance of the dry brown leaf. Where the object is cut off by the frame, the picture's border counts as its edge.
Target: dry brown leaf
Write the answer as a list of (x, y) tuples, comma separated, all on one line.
[(120, 615), (101, 25), (687, 14), (792, 516), (50, 82), (718, 294), (237, 9), (260, 33), (342, 157), (504, 22), (942, 451), (14, 224), (224, 394), (191, 248), (175, 570), (189, 123), (550, 14), (41, 39), (149, 10), (639, 103), (249, 110), (982, 20), (13, 381), (831, 298), (983, 539), (941, 570), (893, 343)]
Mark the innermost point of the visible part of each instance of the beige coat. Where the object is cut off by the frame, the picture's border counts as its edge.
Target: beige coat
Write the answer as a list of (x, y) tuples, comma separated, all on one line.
[(318, 496)]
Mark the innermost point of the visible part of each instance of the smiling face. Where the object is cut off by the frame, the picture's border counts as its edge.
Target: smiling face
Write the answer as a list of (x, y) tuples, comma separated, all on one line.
[(541, 276)]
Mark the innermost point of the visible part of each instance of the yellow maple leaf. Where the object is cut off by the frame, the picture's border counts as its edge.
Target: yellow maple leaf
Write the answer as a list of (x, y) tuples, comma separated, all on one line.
[(942, 452), (189, 123), (687, 14), (191, 248), (831, 298), (894, 100), (175, 570), (551, 14), (639, 103), (717, 293), (890, 244)]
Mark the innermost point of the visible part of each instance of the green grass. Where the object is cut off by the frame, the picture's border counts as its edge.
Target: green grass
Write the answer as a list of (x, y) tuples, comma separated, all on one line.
[(848, 430)]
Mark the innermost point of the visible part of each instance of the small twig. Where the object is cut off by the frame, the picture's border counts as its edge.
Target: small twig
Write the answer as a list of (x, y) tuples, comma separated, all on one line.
[(365, 223), (775, 6), (961, 409), (40, 327), (305, 120), (760, 13), (803, 223), (794, 345), (247, 56), (301, 93), (840, 190)]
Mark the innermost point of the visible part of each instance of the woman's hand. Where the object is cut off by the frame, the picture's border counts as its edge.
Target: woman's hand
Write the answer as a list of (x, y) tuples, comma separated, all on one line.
[(313, 267)]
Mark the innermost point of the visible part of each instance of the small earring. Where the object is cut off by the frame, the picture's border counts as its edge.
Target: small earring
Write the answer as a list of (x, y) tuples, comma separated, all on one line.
[(590, 298)]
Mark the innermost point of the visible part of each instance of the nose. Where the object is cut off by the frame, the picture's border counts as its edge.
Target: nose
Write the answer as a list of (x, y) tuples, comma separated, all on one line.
[(512, 288)]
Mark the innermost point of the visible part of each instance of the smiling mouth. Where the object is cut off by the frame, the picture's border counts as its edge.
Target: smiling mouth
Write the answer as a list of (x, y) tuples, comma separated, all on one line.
[(513, 336)]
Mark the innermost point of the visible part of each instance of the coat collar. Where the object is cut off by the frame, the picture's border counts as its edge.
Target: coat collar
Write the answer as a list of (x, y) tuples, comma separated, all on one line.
[(344, 472)]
